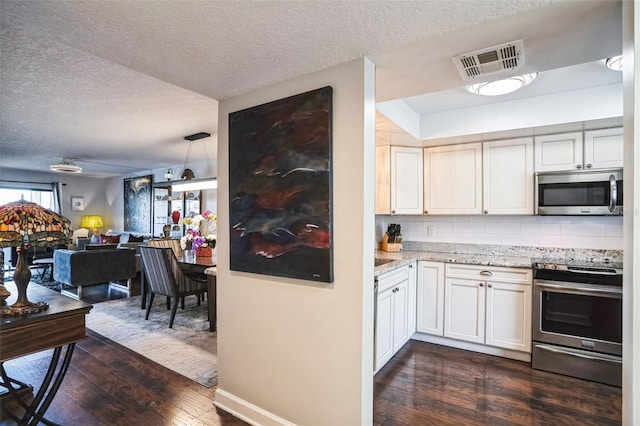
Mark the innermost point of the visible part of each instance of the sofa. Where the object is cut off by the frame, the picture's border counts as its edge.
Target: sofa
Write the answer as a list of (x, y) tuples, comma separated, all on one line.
[(90, 267)]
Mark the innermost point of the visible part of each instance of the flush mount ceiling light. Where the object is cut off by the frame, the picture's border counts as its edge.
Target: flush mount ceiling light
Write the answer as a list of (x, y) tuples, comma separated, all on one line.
[(67, 166), (614, 63), (501, 87)]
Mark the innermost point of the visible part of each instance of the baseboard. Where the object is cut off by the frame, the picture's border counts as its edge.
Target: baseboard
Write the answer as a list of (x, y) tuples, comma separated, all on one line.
[(475, 347), (246, 411)]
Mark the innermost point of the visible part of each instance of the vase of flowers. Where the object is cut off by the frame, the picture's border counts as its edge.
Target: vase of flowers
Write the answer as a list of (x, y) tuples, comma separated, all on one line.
[(203, 245)]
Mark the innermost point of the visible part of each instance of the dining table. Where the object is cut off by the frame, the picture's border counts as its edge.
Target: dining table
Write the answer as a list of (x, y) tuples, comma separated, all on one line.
[(199, 269)]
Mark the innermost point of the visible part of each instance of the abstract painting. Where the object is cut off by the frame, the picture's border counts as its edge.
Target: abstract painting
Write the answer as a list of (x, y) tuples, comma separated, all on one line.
[(280, 192), (137, 204)]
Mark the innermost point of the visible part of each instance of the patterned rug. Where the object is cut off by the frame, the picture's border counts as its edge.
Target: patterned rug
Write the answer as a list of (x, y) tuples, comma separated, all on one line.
[(189, 348)]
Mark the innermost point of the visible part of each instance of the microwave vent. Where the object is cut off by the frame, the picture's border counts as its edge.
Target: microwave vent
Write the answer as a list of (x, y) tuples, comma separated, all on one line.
[(490, 60)]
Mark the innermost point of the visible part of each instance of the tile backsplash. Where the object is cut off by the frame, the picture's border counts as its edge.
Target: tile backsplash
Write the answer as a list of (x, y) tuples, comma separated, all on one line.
[(594, 232)]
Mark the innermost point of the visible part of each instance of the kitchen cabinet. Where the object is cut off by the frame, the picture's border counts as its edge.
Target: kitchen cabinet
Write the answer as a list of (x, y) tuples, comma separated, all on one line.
[(398, 180), (593, 149), (507, 176), (489, 305), (393, 312), (430, 294), (603, 149), (453, 179)]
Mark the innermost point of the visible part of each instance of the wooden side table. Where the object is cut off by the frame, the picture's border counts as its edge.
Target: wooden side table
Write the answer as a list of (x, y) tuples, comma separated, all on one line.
[(58, 328)]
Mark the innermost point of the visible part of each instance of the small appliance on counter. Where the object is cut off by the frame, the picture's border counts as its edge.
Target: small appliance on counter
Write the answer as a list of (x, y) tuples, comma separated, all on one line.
[(392, 240)]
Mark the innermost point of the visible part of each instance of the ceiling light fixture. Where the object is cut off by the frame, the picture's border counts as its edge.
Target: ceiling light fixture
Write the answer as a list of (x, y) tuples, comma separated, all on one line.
[(188, 183), (68, 165), (614, 63), (501, 87)]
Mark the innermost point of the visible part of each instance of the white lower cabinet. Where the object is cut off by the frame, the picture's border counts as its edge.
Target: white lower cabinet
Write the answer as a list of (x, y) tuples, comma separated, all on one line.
[(491, 306), (430, 292), (395, 312)]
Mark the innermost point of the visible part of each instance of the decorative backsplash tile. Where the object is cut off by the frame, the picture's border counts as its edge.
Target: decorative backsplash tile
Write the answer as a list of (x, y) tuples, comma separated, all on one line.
[(565, 232)]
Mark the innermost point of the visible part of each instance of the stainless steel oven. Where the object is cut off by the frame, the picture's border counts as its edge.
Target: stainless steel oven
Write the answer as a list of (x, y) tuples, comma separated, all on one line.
[(577, 320), (587, 192)]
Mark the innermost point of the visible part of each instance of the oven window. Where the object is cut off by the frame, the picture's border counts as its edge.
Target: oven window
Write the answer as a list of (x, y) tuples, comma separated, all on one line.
[(574, 194), (590, 317)]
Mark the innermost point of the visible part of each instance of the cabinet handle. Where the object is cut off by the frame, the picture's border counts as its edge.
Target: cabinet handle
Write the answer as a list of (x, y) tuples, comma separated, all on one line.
[(489, 285), (578, 166), (481, 285), (589, 166), (393, 212), (486, 273), (426, 211), (486, 212), (410, 266)]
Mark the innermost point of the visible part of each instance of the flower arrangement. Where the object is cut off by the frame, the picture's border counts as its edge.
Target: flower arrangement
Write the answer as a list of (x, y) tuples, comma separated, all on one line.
[(201, 234)]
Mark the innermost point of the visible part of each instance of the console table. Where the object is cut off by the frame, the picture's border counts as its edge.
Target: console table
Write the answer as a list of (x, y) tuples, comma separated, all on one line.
[(57, 328)]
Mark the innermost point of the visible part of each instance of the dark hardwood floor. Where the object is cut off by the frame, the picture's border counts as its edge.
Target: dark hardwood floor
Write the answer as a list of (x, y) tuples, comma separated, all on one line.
[(424, 384)]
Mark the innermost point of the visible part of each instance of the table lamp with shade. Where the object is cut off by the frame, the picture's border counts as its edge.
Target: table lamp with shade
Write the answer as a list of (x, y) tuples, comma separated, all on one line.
[(92, 223), (22, 225)]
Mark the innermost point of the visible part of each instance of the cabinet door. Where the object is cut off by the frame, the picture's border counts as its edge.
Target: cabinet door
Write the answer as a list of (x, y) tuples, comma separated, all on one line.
[(508, 323), (558, 152), (406, 180), (400, 315), (603, 149), (508, 176), (464, 312), (453, 179), (384, 327), (430, 316)]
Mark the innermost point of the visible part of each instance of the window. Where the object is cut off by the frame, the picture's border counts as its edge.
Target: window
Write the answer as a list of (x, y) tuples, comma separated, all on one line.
[(38, 196)]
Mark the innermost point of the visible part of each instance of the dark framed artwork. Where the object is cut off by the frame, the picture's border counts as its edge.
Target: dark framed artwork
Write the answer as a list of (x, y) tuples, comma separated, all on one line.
[(280, 187), (137, 204)]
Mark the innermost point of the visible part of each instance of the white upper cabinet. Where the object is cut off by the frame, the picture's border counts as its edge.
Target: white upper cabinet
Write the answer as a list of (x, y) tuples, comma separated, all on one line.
[(599, 149), (508, 176), (453, 179), (603, 149), (398, 180), (558, 152)]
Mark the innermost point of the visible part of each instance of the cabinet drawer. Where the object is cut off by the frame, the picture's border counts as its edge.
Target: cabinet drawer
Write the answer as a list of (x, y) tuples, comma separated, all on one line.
[(489, 273), (389, 279)]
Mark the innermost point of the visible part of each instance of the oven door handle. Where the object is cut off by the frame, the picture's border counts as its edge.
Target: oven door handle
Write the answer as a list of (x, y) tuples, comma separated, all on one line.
[(613, 192), (578, 354), (588, 291)]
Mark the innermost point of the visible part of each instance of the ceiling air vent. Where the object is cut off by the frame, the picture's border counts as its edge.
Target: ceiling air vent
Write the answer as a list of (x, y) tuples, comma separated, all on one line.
[(490, 60)]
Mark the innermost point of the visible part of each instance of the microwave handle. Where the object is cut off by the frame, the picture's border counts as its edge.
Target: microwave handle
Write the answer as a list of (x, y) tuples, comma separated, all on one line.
[(613, 191)]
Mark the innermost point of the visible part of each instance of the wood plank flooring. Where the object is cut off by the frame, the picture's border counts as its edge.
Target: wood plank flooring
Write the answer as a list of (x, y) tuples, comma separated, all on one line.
[(424, 384)]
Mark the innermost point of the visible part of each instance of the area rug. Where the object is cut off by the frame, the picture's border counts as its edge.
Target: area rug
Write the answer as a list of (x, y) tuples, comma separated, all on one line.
[(189, 348)]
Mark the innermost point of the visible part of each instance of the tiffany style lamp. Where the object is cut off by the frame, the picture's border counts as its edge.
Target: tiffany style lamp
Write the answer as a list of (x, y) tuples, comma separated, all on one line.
[(23, 225)]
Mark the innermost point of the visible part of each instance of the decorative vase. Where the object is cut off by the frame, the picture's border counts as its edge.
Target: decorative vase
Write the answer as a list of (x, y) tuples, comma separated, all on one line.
[(166, 230), (204, 252), (175, 216)]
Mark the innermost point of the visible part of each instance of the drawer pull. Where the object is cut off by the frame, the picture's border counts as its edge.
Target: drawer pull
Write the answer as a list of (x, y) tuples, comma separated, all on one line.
[(486, 273)]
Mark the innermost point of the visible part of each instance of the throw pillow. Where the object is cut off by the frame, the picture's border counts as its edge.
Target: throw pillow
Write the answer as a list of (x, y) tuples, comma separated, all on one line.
[(109, 239), (135, 238)]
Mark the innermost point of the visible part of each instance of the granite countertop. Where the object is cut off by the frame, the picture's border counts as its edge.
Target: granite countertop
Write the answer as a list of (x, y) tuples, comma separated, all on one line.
[(407, 257), (491, 255)]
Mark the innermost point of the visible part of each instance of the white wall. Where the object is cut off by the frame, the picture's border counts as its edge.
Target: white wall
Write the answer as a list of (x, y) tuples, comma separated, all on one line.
[(298, 351), (593, 232)]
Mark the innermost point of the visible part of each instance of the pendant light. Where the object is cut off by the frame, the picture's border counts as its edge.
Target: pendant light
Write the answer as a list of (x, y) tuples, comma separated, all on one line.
[(188, 183)]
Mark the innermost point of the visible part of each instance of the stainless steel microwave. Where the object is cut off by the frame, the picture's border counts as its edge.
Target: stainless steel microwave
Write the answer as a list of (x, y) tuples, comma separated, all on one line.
[(586, 192)]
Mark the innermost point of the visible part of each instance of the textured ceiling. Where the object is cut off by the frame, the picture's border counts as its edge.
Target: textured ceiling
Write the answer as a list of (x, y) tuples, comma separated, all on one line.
[(118, 84)]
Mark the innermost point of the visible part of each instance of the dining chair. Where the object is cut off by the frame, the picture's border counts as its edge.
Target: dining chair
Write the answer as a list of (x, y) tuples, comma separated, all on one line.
[(164, 277), (173, 244)]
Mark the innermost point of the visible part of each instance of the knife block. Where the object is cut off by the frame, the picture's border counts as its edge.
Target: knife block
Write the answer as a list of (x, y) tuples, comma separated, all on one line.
[(385, 245)]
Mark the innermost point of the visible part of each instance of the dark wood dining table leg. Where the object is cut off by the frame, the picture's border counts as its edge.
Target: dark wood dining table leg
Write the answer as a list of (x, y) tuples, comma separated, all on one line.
[(212, 282)]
